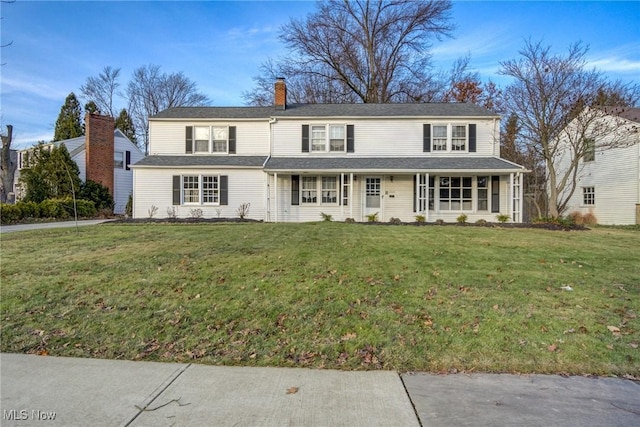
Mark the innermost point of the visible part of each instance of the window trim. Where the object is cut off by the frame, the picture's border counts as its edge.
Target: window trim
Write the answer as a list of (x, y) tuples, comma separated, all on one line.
[(319, 190), (327, 138), (122, 161), (210, 142), (588, 196), (449, 143), (589, 155), (217, 190)]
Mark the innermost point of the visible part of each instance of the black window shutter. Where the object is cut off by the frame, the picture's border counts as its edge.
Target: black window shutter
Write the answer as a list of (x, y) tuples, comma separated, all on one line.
[(127, 160), (351, 143), (295, 189), (232, 140), (305, 138), (472, 138), (426, 138), (495, 194), (176, 189), (189, 140), (415, 187), (224, 190)]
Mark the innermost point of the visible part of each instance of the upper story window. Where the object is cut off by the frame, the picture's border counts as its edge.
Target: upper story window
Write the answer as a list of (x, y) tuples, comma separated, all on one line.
[(118, 160), (328, 138), (589, 150), (210, 139), (443, 138)]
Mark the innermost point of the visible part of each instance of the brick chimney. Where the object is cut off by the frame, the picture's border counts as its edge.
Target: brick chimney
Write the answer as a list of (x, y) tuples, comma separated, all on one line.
[(281, 94), (99, 146)]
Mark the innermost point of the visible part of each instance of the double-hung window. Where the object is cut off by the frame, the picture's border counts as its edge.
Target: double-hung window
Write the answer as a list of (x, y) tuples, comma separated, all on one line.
[(458, 138), (439, 140), (452, 138), (328, 138), (211, 139), (336, 138), (329, 189), (118, 160), (191, 189), (316, 190), (210, 189), (200, 189), (219, 139), (589, 150), (318, 138), (201, 139), (309, 190)]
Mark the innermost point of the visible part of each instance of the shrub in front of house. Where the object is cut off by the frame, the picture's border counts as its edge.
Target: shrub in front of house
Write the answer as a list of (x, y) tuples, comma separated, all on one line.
[(10, 213)]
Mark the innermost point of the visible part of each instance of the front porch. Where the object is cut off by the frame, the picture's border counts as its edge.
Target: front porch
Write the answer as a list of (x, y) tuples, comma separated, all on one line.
[(302, 196)]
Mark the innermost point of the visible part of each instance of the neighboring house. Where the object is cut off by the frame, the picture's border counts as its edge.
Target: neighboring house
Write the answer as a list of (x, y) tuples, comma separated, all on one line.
[(608, 179), (293, 163), (103, 155)]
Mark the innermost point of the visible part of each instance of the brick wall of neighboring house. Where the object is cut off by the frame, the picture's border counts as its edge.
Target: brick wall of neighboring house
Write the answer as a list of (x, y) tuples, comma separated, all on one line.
[(99, 149)]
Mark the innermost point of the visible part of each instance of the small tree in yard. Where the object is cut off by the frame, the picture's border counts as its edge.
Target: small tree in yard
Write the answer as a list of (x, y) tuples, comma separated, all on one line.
[(51, 174), (556, 100)]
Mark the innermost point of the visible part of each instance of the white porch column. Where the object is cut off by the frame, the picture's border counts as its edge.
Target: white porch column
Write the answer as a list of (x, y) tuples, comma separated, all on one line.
[(426, 201), (351, 201), (521, 194), (275, 194), (510, 197), (416, 196)]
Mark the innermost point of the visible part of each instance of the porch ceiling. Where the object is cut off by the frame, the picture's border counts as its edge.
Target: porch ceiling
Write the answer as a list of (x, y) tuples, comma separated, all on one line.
[(392, 164)]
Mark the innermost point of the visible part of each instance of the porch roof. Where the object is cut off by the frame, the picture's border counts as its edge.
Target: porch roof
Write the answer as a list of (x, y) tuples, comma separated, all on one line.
[(392, 164), (187, 161)]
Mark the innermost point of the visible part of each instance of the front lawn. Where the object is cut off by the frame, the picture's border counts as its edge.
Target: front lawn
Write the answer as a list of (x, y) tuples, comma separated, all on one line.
[(328, 295)]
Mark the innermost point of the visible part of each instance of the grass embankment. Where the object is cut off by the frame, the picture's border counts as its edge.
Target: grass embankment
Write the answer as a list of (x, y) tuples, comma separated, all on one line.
[(328, 295)]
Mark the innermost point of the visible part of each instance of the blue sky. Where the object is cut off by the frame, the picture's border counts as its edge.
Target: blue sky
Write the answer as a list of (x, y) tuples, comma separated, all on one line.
[(220, 45)]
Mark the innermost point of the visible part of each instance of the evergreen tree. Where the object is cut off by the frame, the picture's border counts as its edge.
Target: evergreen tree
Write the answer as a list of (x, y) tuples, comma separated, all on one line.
[(69, 123), (125, 124), (51, 174)]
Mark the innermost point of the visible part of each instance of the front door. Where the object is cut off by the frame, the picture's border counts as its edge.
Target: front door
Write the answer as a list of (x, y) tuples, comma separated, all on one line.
[(372, 196)]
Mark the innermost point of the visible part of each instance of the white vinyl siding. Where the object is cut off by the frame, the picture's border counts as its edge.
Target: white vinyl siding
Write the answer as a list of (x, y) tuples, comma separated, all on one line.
[(252, 137), (153, 187), (383, 137)]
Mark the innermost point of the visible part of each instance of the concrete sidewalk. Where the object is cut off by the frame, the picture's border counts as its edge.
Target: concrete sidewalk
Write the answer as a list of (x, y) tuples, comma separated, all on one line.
[(43, 225), (41, 390)]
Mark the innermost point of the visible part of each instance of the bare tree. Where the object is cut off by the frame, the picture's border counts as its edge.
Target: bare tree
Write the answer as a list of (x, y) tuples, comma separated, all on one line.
[(102, 89), (373, 51), (8, 165), (151, 91), (548, 93)]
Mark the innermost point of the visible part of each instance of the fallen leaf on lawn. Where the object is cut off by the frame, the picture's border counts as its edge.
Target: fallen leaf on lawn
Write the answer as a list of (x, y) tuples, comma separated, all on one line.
[(292, 390), (633, 345), (609, 346), (348, 336), (496, 306), (552, 347), (614, 330)]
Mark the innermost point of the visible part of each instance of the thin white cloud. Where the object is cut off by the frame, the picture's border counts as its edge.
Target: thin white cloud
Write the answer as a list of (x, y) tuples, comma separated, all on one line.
[(29, 85), (615, 64)]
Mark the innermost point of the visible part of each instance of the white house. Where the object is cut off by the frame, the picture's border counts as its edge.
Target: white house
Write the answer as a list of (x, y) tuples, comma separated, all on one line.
[(103, 155), (293, 163), (608, 176)]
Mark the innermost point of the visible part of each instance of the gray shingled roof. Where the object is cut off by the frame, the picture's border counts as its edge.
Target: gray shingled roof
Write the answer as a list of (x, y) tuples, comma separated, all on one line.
[(191, 161), (276, 164), (328, 110)]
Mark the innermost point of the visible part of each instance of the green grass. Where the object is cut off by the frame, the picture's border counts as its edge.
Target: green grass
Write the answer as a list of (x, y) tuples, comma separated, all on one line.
[(328, 295)]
